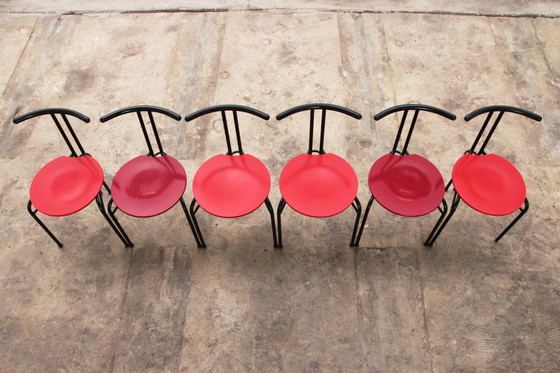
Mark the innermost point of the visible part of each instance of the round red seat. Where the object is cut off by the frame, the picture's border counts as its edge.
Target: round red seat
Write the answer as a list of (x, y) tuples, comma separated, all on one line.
[(230, 186), (148, 186), (408, 185), (66, 185), (318, 185), (489, 184)]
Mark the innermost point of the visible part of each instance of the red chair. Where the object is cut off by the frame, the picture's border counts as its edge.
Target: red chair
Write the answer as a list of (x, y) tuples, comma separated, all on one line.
[(230, 185), (403, 183), (66, 185), (151, 184), (488, 183), (318, 185)]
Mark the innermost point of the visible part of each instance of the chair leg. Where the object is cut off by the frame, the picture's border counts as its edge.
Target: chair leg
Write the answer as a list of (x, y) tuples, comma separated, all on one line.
[(107, 187), (119, 231), (366, 213), (279, 210), (358, 208), (523, 210), (271, 211), (111, 212), (33, 213), (448, 185), (454, 205), (443, 211), (194, 208), (189, 219)]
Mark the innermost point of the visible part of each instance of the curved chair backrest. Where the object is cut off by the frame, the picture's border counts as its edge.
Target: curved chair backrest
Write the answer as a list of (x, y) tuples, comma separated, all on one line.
[(490, 110), (324, 108), (406, 108), (234, 109), (139, 109), (64, 113)]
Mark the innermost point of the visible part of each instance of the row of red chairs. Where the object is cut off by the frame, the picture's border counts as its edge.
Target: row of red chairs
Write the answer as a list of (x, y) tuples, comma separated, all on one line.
[(316, 183)]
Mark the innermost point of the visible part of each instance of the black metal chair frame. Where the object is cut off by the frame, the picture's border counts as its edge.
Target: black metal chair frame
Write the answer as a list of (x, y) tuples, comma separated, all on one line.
[(416, 108), (139, 109), (323, 108), (490, 110), (64, 113), (223, 109)]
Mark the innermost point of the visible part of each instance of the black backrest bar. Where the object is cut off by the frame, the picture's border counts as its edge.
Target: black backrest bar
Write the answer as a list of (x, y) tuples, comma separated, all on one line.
[(53, 112), (490, 110), (150, 110), (505, 109), (324, 108), (417, 108), (213, 109), (61, 111), (234, 109), (340, 109), (135, 109)]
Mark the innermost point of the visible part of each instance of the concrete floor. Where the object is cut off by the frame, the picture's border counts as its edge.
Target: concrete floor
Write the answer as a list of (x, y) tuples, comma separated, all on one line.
[(392, 305)]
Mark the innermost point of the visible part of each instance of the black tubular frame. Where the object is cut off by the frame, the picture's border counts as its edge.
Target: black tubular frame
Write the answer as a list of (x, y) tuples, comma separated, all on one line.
[(194, 206), (64, 113), (356, 205), (490, 110), (406, 108), (234, 109), (149, 110), (442, 207), (323, 108)]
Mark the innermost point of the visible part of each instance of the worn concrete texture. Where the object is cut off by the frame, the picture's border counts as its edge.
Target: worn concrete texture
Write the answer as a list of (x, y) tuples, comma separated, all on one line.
[(392, 305), (548, 8)]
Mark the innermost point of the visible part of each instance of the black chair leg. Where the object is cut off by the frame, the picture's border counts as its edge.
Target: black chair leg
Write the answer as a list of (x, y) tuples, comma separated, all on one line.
[(454, 205), (194, 208), (358, 208), (523, 210), (191, 224), (366, 213), (33, 213), (122, 236), (111, 212), (279, 210), (443, 211), (271, 211)]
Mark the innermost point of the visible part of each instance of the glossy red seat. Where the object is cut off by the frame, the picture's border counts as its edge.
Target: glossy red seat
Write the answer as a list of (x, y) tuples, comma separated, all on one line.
[(66, 185), (488, 183), (406, 184), (234, 184), (318, 185), (148, 185), (231, 186)]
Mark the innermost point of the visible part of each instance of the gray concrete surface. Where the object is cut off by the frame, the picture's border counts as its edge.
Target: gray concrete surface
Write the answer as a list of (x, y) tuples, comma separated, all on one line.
[(466, 305)]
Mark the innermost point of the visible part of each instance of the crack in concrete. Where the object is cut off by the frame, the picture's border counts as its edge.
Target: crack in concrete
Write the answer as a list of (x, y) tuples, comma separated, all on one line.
[(306, 10), (20, 57), (424, 313), (121, 307)]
